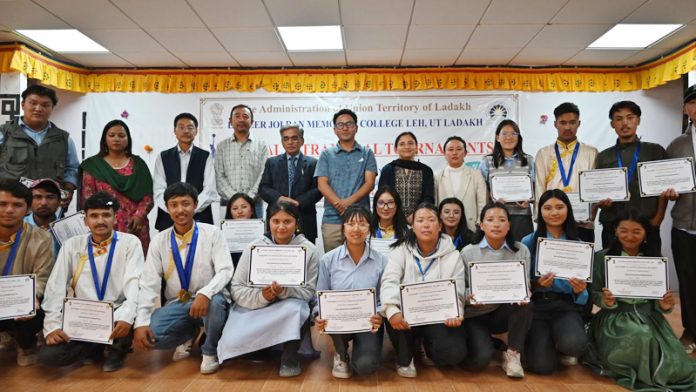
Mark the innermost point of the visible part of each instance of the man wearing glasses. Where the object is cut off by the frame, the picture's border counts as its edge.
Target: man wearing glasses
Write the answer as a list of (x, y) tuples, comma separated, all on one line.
[(345, 174)]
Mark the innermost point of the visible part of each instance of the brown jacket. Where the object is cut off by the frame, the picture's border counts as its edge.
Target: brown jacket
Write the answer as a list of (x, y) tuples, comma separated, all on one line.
[(34, 256)]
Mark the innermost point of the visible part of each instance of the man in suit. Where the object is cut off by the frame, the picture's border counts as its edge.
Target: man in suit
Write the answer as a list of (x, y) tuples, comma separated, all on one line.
[(184, 163), (290, 177)]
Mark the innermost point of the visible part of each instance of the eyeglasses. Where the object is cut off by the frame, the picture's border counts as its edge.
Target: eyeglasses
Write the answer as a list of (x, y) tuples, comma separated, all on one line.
[(509, 134), (388, 204), (347, 124), (357, 225)]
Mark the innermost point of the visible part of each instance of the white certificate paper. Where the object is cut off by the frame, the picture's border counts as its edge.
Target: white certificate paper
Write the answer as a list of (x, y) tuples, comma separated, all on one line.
[(284, 264), (68, 227), (17, 296), (429, 302), (347, 311), (87, 320), (241, 232), (498, 282), (566, 259), (581, 210), (636, 277), (597, 185), (512, 187), (656, 177), (381, 245)]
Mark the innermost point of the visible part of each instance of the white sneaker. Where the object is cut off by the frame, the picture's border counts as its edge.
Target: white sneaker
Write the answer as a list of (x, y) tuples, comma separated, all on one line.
[(341, 369), (27, 357), (209, 364), (567, 360), (407, 371), (183, 351), (512, 365)]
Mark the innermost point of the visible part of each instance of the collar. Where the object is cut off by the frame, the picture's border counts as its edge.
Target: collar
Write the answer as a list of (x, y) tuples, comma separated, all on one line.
[(178, 148), (344, 255), (298, 155), (186, 237), (484, 244), (437, 246), (276, 243), (28, 128), (338, 147), (6, 245), (623, 146), (234, 139), (567, 146), (104, 243)]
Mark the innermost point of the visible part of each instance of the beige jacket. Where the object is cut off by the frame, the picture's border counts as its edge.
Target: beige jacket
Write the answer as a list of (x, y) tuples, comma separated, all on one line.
[(472, 192), (34, 256)]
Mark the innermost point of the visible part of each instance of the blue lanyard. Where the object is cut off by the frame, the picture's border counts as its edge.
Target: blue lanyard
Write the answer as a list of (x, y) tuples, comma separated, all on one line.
[(420, 268), (184, 274), (378, 233), (13, 252), (566, 178), (457, 241), (634, 161), (101, 291)]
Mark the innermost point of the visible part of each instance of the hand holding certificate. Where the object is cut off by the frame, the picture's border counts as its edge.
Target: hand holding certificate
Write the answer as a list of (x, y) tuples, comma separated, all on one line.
[(565, 259), (496, 282), (431, 302), (601, 184), (241, 232), (636, 277), (512, 187), (17, 296), (347, 311), (283, 264), (87, 320), (656, 177), (68, 227)]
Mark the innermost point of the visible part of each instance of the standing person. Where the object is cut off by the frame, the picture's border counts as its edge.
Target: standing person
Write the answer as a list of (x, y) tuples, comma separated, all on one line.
[(423, 255), (460, 181), (114, 262), (195, 289), (388, 220), (345, 174), (265, 316), (684, 228), (116, 171), (451, 211), (240, 206), (184, 163), (495, 244), (290, 177), (353, 266), (24, 249), (239, 159), (412, 180), (33, 147), (558, 329), (45, 204), (630, 339), (627, 152)]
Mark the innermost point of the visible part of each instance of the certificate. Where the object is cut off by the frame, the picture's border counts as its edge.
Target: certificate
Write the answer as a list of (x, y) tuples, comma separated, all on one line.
[(87, 320), (498, 282), (566, 259), (429, 302), (636, 277), (381, 245), (581, 210), (17, 296), (69, 227), (241, 232), (347, 311), (512, 187), (597, 185), (656, 176), (284, 264)]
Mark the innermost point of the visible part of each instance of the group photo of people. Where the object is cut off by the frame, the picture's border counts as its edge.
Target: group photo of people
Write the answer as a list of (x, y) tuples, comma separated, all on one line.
[(534, 261)]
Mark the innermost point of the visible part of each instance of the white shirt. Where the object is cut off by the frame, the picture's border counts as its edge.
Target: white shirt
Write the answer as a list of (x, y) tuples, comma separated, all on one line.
[(159, 181), (121, 289), (212, 269)]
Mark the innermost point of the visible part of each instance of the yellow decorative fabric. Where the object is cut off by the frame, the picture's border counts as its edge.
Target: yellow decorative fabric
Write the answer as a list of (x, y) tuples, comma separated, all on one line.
[(183, 241)]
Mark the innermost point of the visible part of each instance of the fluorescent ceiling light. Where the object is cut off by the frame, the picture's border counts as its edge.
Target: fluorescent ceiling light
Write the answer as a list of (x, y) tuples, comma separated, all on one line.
[(64, 40), (633, 36), (311, 38)]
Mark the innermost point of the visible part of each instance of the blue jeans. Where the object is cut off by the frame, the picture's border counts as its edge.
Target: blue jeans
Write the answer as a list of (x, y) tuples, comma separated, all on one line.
[(173, 326)]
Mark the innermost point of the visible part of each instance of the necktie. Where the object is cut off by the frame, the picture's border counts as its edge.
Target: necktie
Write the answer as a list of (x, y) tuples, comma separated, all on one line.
[(291, 174)]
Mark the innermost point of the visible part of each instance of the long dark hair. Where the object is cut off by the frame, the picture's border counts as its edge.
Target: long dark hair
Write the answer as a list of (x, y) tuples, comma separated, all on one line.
[(570, 227), (509, 238), (462, 230), (498, 156), (103, 149), (240, 195), (649, 247), (399, 221), (410, 237)]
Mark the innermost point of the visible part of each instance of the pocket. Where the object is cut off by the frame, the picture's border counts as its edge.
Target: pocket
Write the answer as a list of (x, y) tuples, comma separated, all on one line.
[(60, 169), (19, 155)]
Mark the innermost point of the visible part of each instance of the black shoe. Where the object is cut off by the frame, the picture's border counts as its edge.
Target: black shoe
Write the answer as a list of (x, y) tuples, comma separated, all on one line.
[(114, 361)]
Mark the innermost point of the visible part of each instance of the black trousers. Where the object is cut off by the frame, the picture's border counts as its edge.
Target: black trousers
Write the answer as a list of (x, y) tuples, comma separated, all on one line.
[(445, 346), (520, 226), (587, 235), (684, 250), (66, 354), (24, 331), (367, 349)]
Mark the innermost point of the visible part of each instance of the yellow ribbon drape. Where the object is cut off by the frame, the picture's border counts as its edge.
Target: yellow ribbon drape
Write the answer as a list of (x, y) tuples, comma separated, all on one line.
[(20, 58)]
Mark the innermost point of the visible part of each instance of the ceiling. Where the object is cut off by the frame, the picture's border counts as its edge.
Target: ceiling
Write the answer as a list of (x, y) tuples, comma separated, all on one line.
[(241, 33)]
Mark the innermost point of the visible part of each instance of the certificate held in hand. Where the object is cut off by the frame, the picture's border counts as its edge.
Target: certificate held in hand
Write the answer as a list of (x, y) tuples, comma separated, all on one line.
[(655, 177), (600, 184), (69, 227), (498, 282), (347, 311), (431, 302), (241, 232), (636, 277), (284, 264), (17, 296), (512, 187), (87, 320), (565, 259)]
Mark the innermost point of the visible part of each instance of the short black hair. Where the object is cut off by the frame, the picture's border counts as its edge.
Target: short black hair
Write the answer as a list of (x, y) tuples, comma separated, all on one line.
[(457, 138), (187, 116), (17, 189), (241, 105), (101, 201), (630, 105), (240, 195), (41, 91), (180, 189), (566, 107), (345, 111)]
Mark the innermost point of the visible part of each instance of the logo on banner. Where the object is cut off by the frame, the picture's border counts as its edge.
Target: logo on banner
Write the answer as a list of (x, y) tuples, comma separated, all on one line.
[(497, 111)]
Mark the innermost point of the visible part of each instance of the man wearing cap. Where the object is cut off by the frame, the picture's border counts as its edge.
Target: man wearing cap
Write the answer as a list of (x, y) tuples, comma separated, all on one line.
[(45, 203), (684, 227)]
